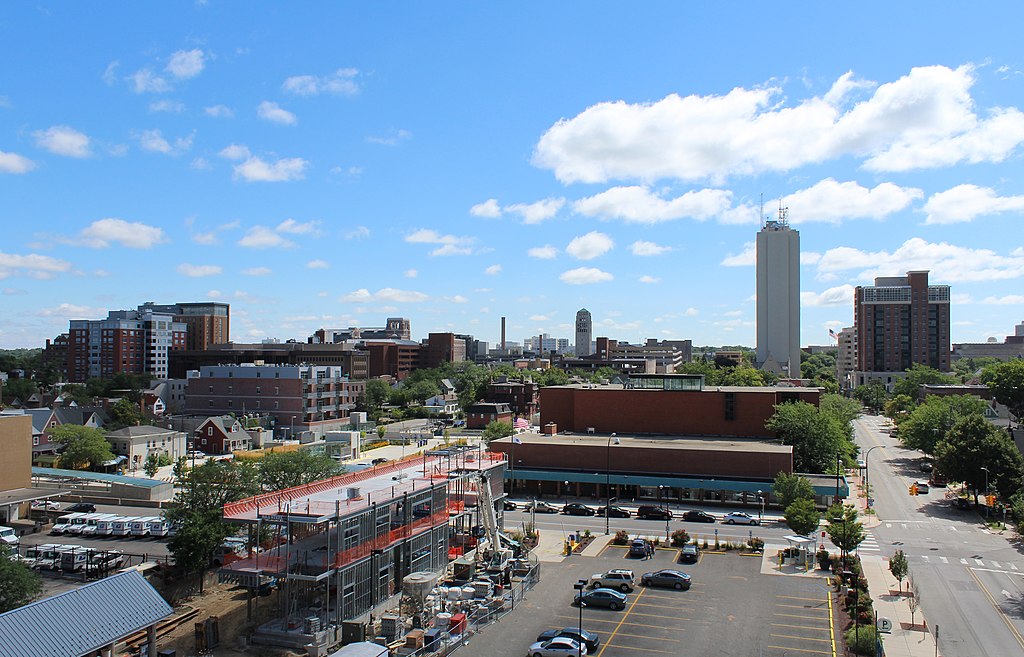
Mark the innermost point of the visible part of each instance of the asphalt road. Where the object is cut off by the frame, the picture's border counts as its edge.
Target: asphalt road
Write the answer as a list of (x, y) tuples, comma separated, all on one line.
[(970, 580)]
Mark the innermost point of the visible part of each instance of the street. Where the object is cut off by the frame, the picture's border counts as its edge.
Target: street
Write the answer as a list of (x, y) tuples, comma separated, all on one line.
[(969, 578)]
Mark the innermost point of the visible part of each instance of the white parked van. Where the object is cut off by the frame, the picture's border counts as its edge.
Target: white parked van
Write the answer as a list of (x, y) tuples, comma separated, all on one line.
[(105, 526), (37, 552), (9, 538), (64, 523), (51, 560), (75, 559), (159, 527), (140, 526), (122, 526), (92, 525), (79, 524)]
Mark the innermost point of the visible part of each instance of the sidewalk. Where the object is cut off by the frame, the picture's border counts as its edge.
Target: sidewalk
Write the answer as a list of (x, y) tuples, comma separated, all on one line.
[(906, 639)]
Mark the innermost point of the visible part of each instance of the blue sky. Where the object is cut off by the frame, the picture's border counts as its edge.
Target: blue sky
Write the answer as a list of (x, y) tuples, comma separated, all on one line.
[(327, 165)]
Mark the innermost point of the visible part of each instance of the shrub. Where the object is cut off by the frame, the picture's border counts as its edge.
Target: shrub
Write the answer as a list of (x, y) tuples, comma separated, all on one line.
[(680, 538), (586, 533), (704, 544), (621, 538), (861, 641), (756, 544)]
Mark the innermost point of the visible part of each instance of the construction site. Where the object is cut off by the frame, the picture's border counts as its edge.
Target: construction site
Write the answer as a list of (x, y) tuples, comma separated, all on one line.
[(405, 554)]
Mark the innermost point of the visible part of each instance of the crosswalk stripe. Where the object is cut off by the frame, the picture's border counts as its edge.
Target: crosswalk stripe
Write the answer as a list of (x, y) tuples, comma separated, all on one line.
[(888, 525), (925, 557), (1013, 566), (979, 562), (944, 559), (954, 528), (995, 564), (963, 561)]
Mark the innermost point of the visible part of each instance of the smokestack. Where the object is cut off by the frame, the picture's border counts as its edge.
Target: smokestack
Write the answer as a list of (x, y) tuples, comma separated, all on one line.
[(503, 334)]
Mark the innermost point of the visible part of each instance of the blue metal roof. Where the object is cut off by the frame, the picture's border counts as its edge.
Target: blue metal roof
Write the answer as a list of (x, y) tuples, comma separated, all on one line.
[(84, 620), (651, 480), (97, 476)]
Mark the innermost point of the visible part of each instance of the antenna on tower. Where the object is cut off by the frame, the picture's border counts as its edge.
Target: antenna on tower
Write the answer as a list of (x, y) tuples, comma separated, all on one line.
[(783, 213), (760, 213)]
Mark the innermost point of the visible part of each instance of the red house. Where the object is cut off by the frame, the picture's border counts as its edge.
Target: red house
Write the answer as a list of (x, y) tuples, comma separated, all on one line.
[(222, 434)]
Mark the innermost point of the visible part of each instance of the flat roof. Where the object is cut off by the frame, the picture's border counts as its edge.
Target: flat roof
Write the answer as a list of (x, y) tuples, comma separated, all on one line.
[(57, 473), (707, 443), (619, 386), (320, 500)]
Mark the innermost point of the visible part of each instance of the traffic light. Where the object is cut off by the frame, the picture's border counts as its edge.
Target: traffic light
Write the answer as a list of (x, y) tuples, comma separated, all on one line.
[(913, 489), (990, 500)]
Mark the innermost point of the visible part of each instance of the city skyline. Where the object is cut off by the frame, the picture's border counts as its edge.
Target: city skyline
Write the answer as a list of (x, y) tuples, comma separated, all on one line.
[(324, 167)]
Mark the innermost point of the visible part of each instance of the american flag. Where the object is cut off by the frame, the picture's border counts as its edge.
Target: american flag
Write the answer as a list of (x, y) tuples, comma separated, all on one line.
[(832, 334)]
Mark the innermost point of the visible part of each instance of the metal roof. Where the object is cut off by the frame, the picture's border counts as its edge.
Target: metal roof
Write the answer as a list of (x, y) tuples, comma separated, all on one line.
[(84, 620), (58, 473)]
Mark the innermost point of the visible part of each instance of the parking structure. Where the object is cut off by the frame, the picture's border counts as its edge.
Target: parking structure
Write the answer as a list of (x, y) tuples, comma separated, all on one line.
[(730, 609)]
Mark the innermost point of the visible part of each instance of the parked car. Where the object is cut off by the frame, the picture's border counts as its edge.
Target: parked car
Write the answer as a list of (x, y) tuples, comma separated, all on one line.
[(689, 554), (653, 513), (196, 454), (614, 512), (739, 518), (378, 460), (926, 466), (577, 509), (46, 505), (961, 503), (9, 538), (557, 647), (537, 506), (668, 578), (696, 515), (616, 578), (639, 547), (922, 487), (81, 507), (602, 598), (509, 505), (591, 640)]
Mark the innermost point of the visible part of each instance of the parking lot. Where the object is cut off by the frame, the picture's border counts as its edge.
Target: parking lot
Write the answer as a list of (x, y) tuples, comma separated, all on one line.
[(730, 609)]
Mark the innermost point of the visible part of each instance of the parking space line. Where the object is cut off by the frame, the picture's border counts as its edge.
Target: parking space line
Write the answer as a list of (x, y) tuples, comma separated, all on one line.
[(796, 597), (646, 650), (831, 625), (792, 616), (798, 638), (644, 615), (800, 650), (642, 636), (800, 627), (805, 607), (621, 621)]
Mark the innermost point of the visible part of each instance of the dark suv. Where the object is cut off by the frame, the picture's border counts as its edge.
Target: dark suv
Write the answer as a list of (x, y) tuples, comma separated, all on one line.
[(653, 513), (81, 507)]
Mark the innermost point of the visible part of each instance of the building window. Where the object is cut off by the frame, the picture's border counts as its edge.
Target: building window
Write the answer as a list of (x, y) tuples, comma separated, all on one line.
[(209, 432), (730, 406), (35, 441)]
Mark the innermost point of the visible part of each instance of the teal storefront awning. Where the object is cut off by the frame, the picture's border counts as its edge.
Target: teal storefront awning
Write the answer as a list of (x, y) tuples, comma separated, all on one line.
[(673, 481)]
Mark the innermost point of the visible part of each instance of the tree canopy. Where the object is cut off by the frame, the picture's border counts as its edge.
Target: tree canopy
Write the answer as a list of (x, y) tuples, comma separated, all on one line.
[(816, 436), (872, 394), (18, 584), (927, 424), (1006, 381), (802, 516), (497, 429), (974, 443), (917, 376), (84, 447), (125, 413), (279, 470), (845, 532), (789, 488)]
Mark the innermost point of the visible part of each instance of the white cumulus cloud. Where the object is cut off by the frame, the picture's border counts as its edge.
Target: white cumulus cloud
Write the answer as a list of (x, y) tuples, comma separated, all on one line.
[(546, 252), (538, 211), (965, 203), (256, 169), (834, 296), (635, 204), (1007, 300), (145, 81), (198, 271), (589, 246), (14, 163), (833, 201), (493, 270), (168, 106), (644, 248), (274, 113), (387, 295), (947, 262), (584, 276), (132, 234), (235, 152), (186, 64), (449, 244), (154, 142), (649, 279), (32, 265), (257, 271), (745, 258), (317, 264), (489, 209), (262, 237), (925, 119), (64, 140), (219, 111)]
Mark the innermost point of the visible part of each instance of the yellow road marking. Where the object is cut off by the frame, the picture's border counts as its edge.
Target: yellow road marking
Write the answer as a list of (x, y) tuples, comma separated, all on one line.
[(621, 621), (814, 652), (646, 650), (642, 636), (831, 625), (999, 610), (805, 608), (800, 638)]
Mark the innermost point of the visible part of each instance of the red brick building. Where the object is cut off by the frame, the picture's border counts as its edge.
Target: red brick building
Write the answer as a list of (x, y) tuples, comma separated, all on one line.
[(521, 396), (221, 435), (479, 415)]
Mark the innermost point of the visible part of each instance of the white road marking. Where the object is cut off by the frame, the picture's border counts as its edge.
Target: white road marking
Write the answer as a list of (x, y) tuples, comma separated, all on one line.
[(944, 559), (995, 564), (963, 561), (979, 562)]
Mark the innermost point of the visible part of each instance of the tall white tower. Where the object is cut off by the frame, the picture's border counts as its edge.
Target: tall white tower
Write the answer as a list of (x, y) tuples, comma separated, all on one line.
[(584, 332), (778, 295)]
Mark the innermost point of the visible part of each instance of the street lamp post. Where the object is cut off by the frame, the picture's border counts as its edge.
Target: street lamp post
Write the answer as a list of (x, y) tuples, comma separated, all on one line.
[(607, 481), (580, 585), (839, 468)]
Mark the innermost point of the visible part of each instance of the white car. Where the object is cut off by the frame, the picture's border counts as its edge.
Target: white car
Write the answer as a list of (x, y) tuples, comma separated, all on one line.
[(48, 505), (739, 518), (560, 646), (617, 578)]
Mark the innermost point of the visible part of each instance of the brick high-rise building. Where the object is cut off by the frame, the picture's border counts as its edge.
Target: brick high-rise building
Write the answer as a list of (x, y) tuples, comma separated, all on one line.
[(127, 341), (207, 323), (900, 321)]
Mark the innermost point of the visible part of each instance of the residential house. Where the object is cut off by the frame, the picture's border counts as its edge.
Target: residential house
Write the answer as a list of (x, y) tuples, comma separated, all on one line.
[(479, 415), (136, 443), (221, 434)]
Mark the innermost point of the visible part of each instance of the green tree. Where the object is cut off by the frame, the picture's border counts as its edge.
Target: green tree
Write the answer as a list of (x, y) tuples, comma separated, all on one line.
[(82, 446), (1006, 381), (19, 389), (375, 395), (816, 437), (78, 393), (789, 488), (279, 470), (742, 376), (974, 443), (497, 429), (845, 532), (927, 425), (553, 376), (967, 369), (125, 413), (871, 394), (917, 376), (18, 584), (802, 516), (841, 408), (899, 407), (152, 465), (899, 567)]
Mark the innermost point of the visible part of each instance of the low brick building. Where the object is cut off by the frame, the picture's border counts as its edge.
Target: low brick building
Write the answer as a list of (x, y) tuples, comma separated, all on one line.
[(479, 415)]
